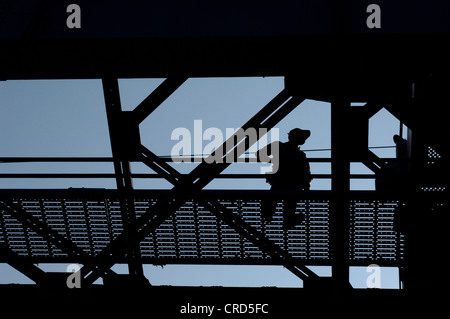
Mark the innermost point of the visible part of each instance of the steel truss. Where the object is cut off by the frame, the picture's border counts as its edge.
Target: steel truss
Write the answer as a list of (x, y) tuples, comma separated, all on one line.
[(348, 124), (128, 147)]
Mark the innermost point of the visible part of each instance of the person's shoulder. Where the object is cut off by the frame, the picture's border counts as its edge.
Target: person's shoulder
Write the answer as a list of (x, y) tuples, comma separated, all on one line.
[(301, 153), (278, 144)]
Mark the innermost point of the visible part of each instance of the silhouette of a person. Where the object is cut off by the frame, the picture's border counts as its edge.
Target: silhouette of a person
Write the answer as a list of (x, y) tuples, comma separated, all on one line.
[(291, 174), (398, 179)]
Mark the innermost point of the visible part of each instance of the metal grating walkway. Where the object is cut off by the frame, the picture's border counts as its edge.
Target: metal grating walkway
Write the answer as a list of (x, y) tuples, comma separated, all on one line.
[(91, 219)]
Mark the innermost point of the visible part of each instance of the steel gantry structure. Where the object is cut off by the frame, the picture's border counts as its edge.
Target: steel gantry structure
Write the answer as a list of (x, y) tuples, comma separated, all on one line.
[(341, 61)]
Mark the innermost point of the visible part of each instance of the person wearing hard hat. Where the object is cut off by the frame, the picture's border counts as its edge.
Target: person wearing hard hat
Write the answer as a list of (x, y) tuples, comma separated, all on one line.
[(291, 173)]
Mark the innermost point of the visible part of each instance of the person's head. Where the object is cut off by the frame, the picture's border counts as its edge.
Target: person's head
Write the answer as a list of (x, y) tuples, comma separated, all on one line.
[(298, 136), (397, 139)]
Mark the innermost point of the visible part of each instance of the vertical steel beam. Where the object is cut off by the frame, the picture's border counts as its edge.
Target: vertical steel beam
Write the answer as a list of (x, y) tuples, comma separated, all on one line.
[(418, 227), (121, 154), (340, 188)]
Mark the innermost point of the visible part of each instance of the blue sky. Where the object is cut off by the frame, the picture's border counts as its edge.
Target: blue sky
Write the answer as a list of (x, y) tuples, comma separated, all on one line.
[(68, 118)]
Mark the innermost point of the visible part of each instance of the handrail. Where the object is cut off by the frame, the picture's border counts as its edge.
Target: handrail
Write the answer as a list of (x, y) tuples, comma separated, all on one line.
[(150, 175), (5, 160)]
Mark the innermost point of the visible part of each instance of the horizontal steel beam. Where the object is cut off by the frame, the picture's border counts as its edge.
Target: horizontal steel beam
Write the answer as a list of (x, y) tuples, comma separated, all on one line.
[(162, 158), (149, 175)]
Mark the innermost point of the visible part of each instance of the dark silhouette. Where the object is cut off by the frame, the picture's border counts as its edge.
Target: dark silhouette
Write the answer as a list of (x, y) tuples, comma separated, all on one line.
[(402, 153), (396, 176), (291, 173)]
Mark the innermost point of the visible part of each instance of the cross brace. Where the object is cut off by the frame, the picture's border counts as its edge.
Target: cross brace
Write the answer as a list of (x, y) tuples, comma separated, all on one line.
[(193, 183), (53, 237), (24, 266)]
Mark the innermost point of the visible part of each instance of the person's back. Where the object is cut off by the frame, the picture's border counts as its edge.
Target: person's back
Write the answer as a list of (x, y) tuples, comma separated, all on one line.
[(293, 168), (291, 173)]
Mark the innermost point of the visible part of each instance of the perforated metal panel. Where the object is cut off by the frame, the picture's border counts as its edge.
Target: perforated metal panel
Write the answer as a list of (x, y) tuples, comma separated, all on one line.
[(194, 235), (373, 236)]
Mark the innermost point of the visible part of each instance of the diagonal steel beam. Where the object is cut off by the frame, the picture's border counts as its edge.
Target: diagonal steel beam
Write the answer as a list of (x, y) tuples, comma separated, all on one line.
[(22, 265), (377, 165), (267, 117), (225, 215), (43, 230), (160, 166), (158, 96), (204, 173), (50, 235), (371, 108), (258, 239), (148, 222), (270, 115)]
